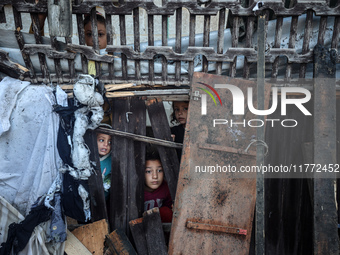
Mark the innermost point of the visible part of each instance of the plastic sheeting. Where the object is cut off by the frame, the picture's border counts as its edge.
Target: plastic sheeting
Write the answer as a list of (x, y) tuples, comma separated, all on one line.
[(28, 152)]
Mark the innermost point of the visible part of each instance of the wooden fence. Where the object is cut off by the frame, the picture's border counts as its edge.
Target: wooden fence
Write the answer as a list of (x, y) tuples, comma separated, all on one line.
[(232, 52)]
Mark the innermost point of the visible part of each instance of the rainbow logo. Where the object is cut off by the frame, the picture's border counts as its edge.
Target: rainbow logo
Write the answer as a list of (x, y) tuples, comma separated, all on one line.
[(209, 93)]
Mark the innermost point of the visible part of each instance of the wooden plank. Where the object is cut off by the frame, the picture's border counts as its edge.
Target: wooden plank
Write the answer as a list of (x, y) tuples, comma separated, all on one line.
[(161, 130), (260, 203), (216, 198), (325, 213), (127, 183), (74, 247), (10, 68), (154, 232), (138, 234), (119, 244), (137, 120), (96, 188), (93, 235)]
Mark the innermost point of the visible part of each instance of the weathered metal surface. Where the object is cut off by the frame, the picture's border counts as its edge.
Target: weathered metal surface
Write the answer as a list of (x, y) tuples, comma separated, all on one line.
[(216, 198), (325, 213)]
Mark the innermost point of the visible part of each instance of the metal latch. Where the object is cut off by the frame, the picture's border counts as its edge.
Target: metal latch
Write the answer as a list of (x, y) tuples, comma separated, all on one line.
[(214, 227)]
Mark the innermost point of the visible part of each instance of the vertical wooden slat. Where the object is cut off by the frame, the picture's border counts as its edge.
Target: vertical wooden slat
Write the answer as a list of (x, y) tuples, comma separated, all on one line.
[(306, 39), (109, 35), (322, 30), (151, 43), (336, 32), (277, 42), (154, 232), (122, 26), (220, 39), (136, 34), (81, 34), (161, 130), (109, 31), (291, 44), (260, 203), (248, 44), (127, 179), (21, 43), (234, 43), (95, 40), (138, 234), (57, 64), (71, 64), (98, 203), (178, 46), (42, 59), (137, 122), (121, 163), (206, 32), (164, 43), (192, 25), (325, 213)]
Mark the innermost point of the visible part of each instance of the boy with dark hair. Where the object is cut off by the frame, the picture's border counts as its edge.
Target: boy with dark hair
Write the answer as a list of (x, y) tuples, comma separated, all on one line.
[(102, 36), (156, 191)]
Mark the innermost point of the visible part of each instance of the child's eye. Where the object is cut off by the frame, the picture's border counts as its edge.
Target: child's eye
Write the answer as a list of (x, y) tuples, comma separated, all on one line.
[(88, 34), (101, 140), (147, 171), (159, 170), (101, 34), (186, 108), (110, 142)]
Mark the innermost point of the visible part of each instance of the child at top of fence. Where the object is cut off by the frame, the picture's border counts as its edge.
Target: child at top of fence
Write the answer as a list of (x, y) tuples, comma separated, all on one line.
[(104, 143), (156, 190), (179, 116), (101, 25)]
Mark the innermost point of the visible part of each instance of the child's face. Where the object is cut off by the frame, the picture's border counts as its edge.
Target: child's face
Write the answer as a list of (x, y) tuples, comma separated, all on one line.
[(153, 175), (104, 144), (101, 35), (181, 110)]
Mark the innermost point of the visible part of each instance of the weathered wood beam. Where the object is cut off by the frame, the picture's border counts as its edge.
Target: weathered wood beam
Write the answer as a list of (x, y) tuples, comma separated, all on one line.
[(119, 244), (127, 177), (161, 130), (10, 68), (326, 240), (154, 232)]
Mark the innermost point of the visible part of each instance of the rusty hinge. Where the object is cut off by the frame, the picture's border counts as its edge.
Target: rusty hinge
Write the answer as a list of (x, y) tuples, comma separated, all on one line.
[(214, 227)]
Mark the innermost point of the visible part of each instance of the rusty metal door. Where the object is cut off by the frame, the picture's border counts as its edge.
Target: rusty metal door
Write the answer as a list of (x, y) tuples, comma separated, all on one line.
[(214, 206)]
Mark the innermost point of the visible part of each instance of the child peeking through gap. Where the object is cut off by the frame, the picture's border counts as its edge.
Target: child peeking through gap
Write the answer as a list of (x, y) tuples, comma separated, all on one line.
[(156, 190), (104, 149)]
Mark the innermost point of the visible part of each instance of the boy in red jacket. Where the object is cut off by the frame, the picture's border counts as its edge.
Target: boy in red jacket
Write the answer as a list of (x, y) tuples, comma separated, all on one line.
[(156, 190)]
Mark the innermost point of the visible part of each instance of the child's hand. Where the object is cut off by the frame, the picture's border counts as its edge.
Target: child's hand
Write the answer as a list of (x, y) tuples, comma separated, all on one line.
[(173, 137)]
